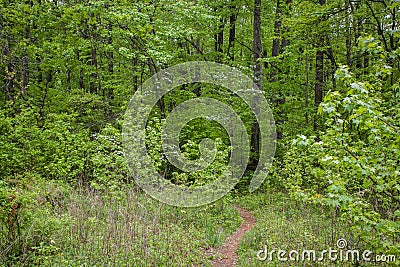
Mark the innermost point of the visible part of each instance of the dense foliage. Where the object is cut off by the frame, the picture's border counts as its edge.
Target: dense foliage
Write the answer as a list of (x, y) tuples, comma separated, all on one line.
[(68, 69)]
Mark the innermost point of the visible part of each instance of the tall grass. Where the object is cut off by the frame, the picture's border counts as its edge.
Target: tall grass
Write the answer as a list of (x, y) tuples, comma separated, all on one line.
[(286, 224), (124, 228)]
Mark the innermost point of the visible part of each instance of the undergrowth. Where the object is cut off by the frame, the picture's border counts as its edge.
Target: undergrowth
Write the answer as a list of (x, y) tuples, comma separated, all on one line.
[(287, 224), (61, 226)]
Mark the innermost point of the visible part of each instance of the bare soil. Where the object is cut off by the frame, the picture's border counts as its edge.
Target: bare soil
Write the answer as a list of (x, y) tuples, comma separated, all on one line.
[(226, 255)]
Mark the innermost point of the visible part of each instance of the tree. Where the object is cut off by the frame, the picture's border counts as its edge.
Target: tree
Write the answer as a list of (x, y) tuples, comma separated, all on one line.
[(257, 52)]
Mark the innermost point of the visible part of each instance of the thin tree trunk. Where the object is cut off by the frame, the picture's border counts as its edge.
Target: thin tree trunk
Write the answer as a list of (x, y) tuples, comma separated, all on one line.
[(285, 41), (39, 70), (319, 80), (277, 33), (197, 86), (108, 95), (49, 78), (257, 45), (198, 46), (110, 62), (232, 32), (68, 76), (25, 59), (10, 81), (135, 74), (319, 74), (333, 65), (221, 36), (81, 82), (307, 80), (357, 33), (257, 48), (278, 48), (278, 97), (366, 63), (25, 75), (160, 103), (94, 75), (348, 41)]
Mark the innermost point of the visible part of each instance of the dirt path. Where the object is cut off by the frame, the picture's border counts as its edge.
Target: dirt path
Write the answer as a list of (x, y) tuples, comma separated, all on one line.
[(226, 255)]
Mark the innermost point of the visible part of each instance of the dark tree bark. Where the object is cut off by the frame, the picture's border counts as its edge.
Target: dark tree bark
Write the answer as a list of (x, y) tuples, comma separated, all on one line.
[(153, 71), (277, 33), (81, 81), (220, 42), (110, 62), (196, 86), (285, 41), (232, 32), (219, 39), (9, 86), (25, 58), (307, 80), (366, 63), (198, 46), (257, 52), (359, 54), (257, 45), (278, 47), (108, 93), (135, 63), (319, 80), (94, 75), (348, 39), (25, 75), (334, 66), (68, 77), (319, 73)]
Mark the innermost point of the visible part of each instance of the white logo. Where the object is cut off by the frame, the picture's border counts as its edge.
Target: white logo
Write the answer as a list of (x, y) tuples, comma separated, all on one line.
[(146, 98)]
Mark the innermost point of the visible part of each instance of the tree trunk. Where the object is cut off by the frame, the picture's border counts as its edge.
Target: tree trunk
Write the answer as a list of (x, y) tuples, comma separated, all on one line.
[(319, 80), (348, 41), (285, 41), (68, 76), (9, 86), (160, 103), (81, 82), (94, 75), (277, 33), (307, 79), (257, 48), (219, 39), (110, 62), (319, 74), (221, 35), (25, 75), (232, 32), (333, 65), (257, 45), (135, 74), (278, 98)]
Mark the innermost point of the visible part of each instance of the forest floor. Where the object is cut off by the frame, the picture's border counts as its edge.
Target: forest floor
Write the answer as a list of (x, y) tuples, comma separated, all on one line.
[(226, 254), (129, 228)]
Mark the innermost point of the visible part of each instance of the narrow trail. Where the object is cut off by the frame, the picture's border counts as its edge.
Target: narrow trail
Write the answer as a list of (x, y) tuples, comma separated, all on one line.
[(226, 255)]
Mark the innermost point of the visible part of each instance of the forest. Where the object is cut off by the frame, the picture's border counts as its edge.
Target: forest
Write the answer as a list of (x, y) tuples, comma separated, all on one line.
[(329, 70)]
